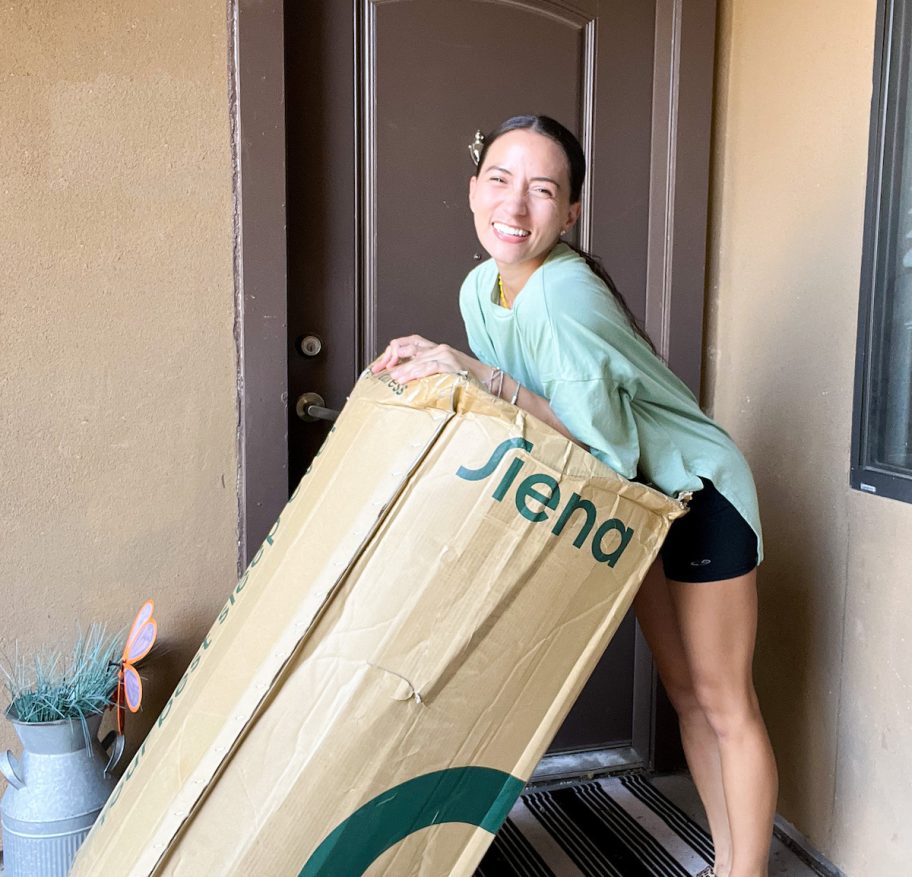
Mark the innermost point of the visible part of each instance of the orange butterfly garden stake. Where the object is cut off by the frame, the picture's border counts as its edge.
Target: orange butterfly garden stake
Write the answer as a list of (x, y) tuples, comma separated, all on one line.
[(139, 642)]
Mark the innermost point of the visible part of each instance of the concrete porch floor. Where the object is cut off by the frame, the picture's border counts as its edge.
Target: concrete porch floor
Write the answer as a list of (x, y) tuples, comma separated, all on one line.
[(783, 861)]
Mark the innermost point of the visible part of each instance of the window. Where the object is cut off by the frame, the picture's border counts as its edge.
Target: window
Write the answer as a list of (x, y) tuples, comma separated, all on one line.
[(882, 426)]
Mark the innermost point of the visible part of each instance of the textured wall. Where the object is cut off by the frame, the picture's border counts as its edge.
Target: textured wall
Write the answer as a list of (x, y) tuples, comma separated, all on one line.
[(117, 360), (834, 666)]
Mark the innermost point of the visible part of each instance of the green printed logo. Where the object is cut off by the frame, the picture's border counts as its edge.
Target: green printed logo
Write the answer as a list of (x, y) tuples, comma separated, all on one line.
[(478, 796), (539, 493)]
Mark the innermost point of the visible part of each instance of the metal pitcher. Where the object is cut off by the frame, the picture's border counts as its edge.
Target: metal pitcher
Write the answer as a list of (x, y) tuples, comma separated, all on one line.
[(56, 790)]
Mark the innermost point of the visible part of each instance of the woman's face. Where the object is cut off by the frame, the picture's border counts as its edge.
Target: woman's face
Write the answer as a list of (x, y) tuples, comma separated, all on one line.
[(521, 199)]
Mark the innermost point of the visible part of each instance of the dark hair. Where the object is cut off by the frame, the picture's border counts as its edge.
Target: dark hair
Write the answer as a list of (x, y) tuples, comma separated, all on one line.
[(576, 161)]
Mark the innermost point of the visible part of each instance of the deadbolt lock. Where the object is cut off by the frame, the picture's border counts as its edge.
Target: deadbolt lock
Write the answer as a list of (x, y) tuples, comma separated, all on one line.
[(310, 345)]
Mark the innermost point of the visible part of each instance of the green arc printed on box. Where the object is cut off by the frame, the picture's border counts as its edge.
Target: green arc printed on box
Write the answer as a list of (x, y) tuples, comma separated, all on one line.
[(478, 796)]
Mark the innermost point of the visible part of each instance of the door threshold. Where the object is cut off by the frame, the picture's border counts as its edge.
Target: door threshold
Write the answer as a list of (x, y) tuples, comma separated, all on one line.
[(587, 764)]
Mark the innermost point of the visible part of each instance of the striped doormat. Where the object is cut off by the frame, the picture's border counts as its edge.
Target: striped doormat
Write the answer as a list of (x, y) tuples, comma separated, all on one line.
[(614, 827)]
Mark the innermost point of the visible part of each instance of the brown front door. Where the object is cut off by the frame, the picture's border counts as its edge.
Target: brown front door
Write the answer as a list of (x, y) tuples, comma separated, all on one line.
[(382, 102)]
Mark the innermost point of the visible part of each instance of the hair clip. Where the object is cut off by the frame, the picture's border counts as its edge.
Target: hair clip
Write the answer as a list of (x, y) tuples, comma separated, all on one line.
[(476, 146)]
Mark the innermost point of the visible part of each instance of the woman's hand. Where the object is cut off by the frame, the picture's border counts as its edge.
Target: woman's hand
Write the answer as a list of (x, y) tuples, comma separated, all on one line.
[(412, 357)]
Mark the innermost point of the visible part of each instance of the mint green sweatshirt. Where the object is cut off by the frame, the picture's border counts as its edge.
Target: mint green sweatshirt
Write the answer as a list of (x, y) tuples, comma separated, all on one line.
[(567, 339)]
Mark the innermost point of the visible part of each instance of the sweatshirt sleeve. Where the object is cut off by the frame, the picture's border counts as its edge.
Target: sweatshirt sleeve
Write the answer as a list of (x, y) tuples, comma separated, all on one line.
[(597, 412), (593, 373)]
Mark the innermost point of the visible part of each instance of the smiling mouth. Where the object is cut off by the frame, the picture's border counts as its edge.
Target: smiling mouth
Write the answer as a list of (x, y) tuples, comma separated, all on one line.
[(510, 230)]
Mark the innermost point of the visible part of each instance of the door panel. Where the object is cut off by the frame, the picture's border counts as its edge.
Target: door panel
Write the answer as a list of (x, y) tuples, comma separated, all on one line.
[(383, 99), (429, 95)]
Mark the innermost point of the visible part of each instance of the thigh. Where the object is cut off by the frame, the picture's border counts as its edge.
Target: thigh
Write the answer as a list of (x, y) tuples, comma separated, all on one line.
[(718, 629), (656, 615)]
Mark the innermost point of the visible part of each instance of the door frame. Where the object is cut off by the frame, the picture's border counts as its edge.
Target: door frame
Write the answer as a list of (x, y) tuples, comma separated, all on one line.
[(675, 280), (256, 92)]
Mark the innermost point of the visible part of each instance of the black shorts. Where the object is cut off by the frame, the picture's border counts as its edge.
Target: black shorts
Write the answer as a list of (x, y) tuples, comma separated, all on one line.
[(712, 542)]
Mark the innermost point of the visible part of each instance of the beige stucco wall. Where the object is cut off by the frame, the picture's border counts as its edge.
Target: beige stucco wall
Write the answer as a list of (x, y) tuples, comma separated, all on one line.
[(834, 662), (117, 357), (117, 366)]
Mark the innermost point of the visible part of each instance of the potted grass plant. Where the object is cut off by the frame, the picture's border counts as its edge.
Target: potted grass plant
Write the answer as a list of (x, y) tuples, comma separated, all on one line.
[(59, 784)]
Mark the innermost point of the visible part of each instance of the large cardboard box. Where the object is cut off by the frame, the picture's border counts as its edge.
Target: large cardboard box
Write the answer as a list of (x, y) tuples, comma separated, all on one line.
[(397, 657)]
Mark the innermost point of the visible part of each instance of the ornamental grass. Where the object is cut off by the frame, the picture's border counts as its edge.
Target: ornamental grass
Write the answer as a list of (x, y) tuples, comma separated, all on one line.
[(51, 685)]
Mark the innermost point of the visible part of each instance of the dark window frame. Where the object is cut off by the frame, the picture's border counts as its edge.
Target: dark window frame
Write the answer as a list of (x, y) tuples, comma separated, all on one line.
[(867, 474)]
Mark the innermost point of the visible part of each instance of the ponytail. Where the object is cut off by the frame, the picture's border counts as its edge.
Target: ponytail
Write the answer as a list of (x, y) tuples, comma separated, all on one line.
[(598, 269)]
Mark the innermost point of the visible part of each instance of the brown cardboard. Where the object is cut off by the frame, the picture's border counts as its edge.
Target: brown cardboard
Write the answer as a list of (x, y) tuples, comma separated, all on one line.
[(403, 647)]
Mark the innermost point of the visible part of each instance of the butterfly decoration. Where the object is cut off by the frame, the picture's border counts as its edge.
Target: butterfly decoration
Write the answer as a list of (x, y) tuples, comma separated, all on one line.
[(139, 643)]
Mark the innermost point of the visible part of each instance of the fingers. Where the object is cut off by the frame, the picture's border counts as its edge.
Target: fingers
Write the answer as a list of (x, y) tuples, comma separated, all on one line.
[(412, 357), (400, 350), (437, 359), (386, 360), (414, 345), (382, 362), (419, 368)]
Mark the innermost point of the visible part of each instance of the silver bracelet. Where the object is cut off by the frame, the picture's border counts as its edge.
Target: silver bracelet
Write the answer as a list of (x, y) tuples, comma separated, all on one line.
[(489, 383), (515, 393)]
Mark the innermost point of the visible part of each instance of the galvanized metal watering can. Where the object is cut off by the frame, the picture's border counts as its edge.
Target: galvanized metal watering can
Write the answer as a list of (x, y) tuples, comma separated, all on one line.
[(56, 790)]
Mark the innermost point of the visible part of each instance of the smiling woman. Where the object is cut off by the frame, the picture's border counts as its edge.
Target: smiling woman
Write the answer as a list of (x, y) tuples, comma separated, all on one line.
[(551, 333), (521, 201)]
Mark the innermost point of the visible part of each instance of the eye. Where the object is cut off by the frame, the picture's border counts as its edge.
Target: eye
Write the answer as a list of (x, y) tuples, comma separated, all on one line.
[(494, 178), (543, 191)]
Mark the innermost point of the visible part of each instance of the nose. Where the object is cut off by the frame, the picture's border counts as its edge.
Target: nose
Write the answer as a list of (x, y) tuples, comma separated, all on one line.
[(516, 200)]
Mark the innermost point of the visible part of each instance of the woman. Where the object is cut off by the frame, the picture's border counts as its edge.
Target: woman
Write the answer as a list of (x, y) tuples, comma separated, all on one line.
[(553, 336)]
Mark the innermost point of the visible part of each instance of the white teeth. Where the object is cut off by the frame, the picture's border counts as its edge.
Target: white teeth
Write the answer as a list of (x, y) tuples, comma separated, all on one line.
[(510, 230)]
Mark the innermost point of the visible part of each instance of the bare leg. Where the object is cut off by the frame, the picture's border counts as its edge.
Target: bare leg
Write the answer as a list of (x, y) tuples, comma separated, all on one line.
[(656, 616), (718, 625)]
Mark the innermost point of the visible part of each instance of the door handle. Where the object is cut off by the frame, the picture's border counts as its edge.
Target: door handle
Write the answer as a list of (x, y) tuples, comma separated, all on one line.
[(310, 407)]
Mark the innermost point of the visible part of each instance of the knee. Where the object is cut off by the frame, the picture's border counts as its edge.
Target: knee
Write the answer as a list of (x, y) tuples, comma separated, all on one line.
[(729, 709), (683, 697)]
